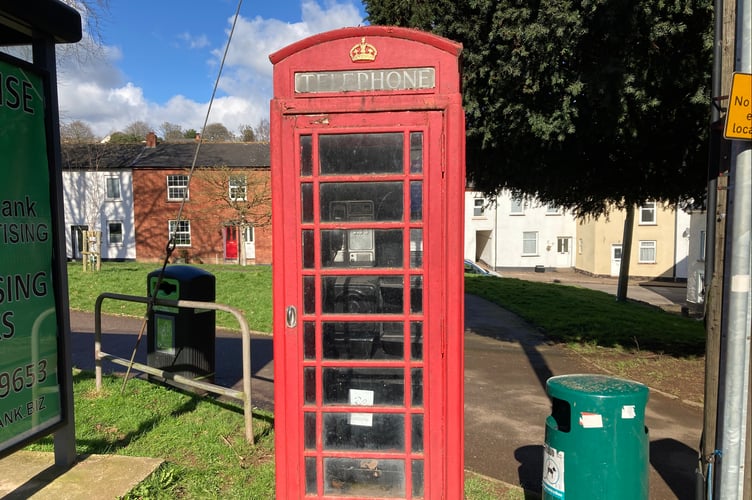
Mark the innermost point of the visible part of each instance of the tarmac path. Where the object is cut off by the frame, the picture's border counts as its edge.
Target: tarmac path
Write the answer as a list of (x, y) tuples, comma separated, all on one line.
[(507, 363)]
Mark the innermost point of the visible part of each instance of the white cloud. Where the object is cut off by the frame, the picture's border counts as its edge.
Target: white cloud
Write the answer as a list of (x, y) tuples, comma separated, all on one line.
[(95, 90), (194, 41)]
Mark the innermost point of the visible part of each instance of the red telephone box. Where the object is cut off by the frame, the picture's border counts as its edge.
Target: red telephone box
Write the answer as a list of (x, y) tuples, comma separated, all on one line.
[(367, 144)]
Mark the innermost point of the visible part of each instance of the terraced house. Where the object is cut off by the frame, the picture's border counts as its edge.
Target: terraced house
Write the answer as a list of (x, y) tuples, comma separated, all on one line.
[(139, 196)]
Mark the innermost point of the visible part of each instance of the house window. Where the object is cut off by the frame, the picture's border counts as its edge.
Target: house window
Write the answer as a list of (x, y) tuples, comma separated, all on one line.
[(479, 207), (530, 243), (237, 188), (112, 187), (647, 213), (115, 232), (647, 252), (516, 206), (562, 245), (249, 234), (703, 244), (177, 187), (579, 246), (553, 210), (182, 232)]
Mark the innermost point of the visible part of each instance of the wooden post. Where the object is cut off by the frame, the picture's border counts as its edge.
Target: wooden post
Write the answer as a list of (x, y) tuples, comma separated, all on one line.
[(91, 254)]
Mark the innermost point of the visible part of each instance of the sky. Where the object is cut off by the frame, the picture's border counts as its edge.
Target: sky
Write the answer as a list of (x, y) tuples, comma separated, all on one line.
[(160, 60)]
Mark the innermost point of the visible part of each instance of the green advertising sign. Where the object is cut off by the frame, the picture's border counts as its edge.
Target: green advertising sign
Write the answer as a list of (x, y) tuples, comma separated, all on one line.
[(30, 395)]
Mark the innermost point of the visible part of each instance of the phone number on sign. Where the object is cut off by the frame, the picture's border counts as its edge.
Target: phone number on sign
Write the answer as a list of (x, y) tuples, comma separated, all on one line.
[(23, 377)]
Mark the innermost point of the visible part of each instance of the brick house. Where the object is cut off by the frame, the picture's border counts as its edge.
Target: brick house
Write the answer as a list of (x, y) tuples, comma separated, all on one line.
[(226, 216)]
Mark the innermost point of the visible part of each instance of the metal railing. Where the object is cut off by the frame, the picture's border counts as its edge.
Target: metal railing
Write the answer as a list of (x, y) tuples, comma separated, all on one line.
[(244, 396)]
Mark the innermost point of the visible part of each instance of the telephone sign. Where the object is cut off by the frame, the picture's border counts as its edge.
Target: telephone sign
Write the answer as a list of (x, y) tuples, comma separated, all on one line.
[(367, 141)]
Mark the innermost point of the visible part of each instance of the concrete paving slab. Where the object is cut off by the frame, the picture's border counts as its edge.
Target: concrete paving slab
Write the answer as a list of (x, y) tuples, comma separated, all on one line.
[(33, 475)]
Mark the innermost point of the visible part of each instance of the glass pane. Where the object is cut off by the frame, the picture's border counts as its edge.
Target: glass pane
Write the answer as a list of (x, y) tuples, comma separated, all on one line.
[(361, 202), (364, 477), (306, 199), (417, 433), (362, 340), (310, 475), (309, 340), (416, 152), (306, 155), (416, 200), (360, 154), (309, 294), (418, 478), (374, 386), (392, 294), (364, 431), (309, 423), (416, 248), (362, 294), (416, 294), (308, 251), (417, 386), (361, 248), (416, 340), (309, 385)]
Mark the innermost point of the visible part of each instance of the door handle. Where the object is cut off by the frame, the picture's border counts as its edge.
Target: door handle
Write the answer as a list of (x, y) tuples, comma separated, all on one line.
[(291, 317)]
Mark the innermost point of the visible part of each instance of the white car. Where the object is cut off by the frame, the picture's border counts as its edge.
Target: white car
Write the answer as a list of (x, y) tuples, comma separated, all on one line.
[(473, 268)]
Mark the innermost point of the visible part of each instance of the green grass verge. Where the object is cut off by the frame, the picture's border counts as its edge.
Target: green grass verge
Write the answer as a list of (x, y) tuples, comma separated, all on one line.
[(202, 442), (573, 314), (247, 288)]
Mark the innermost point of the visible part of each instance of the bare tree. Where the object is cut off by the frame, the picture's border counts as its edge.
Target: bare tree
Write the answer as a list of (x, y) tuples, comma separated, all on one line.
[(138, 129), (239, 198), (262, 130), (216, 132), (171, 131), (247, 133), (76, 132)]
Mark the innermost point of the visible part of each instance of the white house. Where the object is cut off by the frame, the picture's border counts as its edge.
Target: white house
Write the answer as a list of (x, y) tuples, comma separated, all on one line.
[(512, 233), (100, 201), (696, 257), (98, 196), (507, 232)]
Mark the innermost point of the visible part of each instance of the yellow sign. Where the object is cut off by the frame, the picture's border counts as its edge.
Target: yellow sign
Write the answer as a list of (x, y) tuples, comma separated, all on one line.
[(739, 116)]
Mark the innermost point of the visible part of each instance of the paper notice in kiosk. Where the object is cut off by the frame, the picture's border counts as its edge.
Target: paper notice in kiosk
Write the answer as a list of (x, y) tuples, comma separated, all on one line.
[(359, 397)]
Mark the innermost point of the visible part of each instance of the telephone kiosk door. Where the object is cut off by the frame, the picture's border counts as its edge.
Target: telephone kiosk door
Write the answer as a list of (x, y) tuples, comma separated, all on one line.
[(367, 303)]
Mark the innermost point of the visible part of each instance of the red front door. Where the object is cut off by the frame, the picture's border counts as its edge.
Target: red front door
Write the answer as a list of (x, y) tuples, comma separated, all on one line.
[(358, 367), (231, 242)]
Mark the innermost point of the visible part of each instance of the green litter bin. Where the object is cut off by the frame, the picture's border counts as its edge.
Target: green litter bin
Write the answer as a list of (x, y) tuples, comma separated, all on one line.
[(596, 444), (182, 340)]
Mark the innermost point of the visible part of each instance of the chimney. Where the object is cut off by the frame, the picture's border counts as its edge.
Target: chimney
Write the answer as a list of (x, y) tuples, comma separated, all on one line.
[(151, 140)]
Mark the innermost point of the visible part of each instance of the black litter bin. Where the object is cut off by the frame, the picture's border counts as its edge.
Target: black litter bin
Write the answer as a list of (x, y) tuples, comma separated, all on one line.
[(182, 340)]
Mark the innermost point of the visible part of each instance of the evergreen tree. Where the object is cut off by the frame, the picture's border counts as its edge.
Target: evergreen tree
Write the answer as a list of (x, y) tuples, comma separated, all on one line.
[(588, 104)]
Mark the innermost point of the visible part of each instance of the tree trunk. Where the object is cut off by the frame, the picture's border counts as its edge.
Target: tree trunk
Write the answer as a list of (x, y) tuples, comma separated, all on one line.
[(626, 255), (241, 245)]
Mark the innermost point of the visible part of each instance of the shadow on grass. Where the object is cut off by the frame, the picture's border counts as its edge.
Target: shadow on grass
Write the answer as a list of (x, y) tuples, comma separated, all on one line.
[(94, 446)]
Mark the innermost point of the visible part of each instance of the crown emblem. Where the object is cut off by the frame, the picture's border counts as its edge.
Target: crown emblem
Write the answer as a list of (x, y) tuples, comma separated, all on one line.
[(363, 52)]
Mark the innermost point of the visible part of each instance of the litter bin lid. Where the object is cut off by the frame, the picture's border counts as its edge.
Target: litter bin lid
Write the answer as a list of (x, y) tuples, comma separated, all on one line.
[(569, 387), (182, 273)]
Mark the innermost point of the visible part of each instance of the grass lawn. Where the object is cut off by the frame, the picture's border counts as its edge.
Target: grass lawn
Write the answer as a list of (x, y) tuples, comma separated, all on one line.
[(576, 315), (247, 288)]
